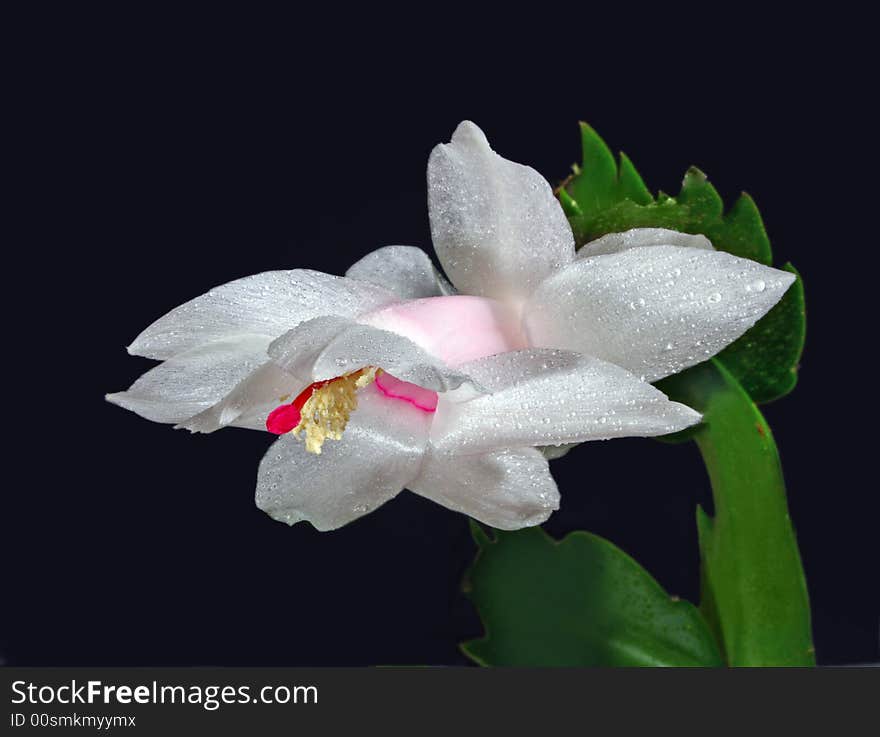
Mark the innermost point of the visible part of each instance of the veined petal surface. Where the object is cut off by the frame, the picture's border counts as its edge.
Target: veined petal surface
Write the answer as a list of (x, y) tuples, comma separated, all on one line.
[(507, 489), (496, 226), (542, 397), (268, 304), (193, 381), (656, 310), (250, 402), (297, 350), (364, 345), (641, 238), (405, 271)]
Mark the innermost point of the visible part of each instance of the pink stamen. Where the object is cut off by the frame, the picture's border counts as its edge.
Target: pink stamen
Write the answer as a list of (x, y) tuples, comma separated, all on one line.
[(417, 396), (283, 419), (286, 417)]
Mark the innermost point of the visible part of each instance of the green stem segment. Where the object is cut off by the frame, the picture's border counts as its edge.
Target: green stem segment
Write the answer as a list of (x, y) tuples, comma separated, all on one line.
[(754, 595)]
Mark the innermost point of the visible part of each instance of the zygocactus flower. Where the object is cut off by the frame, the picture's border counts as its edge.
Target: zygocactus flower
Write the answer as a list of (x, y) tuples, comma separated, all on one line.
[(391, 378)]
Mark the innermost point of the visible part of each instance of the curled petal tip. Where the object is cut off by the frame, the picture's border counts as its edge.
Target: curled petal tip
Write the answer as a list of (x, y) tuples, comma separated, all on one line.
[(138, 347), (689, 417), (468, 131), (697, 416)]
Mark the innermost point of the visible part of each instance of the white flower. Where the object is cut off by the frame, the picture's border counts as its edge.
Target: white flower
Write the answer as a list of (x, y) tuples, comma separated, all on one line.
[(391, 378)]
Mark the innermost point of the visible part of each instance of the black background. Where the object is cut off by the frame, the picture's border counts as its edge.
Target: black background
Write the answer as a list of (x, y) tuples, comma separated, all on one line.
[(163, 156)]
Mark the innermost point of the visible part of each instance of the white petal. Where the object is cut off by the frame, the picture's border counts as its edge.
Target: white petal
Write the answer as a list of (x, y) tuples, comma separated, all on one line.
[(250, 402), (507, 489), (405, 271), (296, 351), (267, 303), (497, 228), (643, 237), (379, 454), (363, 345), (546, 397), (329, 347), (192, 381), (654, 311)]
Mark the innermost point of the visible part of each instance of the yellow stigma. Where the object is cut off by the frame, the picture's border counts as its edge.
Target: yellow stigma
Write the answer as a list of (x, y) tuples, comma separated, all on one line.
[(325, 414)]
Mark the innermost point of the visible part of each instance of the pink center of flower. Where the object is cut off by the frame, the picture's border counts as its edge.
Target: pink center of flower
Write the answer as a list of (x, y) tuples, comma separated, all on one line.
[(456, 329)]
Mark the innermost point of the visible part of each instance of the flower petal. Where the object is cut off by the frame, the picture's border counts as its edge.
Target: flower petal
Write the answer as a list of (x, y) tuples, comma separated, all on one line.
[(364, 345), (640, 238), (497, 228), (547, 397), (325, 348), (296, 351), (654, 311), (379, 454), (193, 381), (250, 402), (405, 271), (266, 304), (507, 489)]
